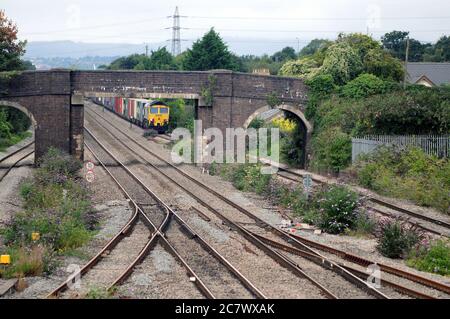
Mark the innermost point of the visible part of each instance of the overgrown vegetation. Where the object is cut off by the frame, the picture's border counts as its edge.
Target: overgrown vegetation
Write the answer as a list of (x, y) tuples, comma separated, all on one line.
[(409, 174), (57, 207), (245, 177), (334, 209), (353, 111), (434, 259), (182, 114), (396, 239), (13, 127)]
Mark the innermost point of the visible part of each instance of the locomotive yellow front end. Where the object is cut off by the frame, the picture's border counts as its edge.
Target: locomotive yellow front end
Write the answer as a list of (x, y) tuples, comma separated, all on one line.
[(158, 116)]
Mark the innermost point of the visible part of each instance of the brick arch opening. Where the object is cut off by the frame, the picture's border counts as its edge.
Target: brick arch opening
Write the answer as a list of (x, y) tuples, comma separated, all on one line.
[(307, 127), (284, 107), (21, 108)]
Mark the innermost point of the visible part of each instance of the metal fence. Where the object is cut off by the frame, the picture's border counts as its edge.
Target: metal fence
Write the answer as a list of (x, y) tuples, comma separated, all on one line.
[(430, 144)]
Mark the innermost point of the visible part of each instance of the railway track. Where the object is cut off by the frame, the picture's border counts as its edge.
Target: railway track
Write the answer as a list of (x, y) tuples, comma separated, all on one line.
[(15, 158), (402, 212), (299, 243), (159, 219), (282, 259)]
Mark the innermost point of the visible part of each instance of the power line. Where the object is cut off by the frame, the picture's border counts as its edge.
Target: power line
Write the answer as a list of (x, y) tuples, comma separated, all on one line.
[(317, 19)]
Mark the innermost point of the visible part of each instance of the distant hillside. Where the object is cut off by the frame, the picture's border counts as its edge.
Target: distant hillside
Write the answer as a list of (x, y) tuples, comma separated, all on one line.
[(72, 49), (80, 49), (84, 63)]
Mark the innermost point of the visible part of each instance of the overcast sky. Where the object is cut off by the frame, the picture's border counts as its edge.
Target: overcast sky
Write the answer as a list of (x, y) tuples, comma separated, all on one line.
[(139, 21)]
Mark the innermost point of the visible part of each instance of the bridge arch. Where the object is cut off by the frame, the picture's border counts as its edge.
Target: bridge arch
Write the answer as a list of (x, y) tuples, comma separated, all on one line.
[(21, 108), (284, 107), (307, 127)]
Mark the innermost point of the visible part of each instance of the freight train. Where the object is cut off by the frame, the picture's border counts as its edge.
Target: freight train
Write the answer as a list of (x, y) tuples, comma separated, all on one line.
[(144, 113)]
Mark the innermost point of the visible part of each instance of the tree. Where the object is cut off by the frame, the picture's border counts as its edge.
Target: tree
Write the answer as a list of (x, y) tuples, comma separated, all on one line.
[(209, 53), (440, 52), (361, 43), (27, 65), (303, 68), (395, 43), (314, 46), (342, 62), (380, 63), (161, 59), (127, 63), (288, 53), (11, 49)]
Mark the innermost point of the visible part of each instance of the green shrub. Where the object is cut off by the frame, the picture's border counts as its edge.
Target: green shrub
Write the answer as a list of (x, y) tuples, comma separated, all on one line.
[(409, 174), (435, 259), (364, 86), (337, 207), (294, 199), (364, 226), (332, 149), (396, 240)]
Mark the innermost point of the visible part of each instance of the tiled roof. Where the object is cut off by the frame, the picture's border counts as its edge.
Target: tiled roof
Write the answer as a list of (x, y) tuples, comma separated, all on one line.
[(438, 73)]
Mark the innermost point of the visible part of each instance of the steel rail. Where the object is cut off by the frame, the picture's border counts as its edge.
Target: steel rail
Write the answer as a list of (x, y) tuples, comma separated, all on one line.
[(366, 262), (171, 213), (281, 259), (376, 201), (415, 223), (127, 229), (299, 252), (152, 242), (10, 168), (292, 239), (16, 151)]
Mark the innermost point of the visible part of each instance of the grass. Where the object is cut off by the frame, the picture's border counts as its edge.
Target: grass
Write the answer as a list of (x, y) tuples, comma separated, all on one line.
[(57, 206), (100, 293), (28, 261), (364, 227), (15, 138), (408, 174), (434, 259)]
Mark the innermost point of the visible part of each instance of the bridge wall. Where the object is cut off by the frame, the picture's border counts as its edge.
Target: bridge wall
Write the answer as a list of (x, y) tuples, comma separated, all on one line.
[(55, 98)]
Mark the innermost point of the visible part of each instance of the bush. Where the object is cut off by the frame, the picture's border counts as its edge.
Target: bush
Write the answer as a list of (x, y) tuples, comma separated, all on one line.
[(364, 86), (337, 207), (294, 199), (248, 177), (332, 149), (435, 259), (396, 240), (364, 225), (409, 174)]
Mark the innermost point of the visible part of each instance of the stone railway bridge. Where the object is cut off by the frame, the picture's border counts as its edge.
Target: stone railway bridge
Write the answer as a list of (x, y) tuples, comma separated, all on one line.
[(54, 99)]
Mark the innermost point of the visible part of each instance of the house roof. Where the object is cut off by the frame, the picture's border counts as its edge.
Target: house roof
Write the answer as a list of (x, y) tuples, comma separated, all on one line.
[(437, 73)]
